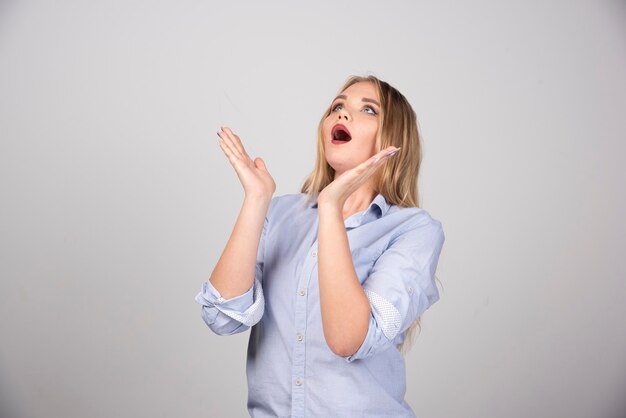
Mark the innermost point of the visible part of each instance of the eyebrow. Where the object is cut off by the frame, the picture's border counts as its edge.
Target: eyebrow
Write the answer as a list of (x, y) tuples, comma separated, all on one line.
[(364, 99)]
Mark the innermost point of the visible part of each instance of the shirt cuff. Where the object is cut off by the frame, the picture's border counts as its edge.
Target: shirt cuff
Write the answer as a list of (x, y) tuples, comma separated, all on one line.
[(209, 296), (370, 341), (246, 308)]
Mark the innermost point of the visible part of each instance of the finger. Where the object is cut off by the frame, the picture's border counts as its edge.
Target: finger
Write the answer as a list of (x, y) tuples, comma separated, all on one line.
[(226, 137), (236, 141), (230, 135), (233, 157), (228, 152), (377, 158), (236, 162), (239, 144), (384, 154), (260, 164), (391, 151), (227, 141), (369, 166)]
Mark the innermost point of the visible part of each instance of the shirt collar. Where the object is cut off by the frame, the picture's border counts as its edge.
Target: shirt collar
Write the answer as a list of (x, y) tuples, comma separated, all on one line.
[(377, 209)]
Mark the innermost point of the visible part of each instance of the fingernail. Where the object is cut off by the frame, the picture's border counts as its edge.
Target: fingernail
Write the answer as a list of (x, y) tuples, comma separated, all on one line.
[(218, 135), (393, 152)]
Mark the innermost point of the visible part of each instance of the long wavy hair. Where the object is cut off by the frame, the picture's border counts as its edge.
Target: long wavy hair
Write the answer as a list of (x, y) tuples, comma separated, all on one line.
[(397, 180)]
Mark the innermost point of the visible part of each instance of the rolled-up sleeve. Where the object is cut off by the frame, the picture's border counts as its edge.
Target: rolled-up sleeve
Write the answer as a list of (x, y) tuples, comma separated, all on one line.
[(237, 314), (401, 285), (230, 316)]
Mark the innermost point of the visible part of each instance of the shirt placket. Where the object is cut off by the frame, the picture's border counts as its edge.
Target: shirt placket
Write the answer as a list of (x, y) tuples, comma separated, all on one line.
[(298, 372)]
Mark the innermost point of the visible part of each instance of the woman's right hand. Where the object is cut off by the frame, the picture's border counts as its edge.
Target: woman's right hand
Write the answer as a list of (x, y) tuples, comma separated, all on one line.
[(253, 175)]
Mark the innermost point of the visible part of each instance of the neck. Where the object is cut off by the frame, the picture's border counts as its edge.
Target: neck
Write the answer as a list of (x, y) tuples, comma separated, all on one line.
[(359, 200)]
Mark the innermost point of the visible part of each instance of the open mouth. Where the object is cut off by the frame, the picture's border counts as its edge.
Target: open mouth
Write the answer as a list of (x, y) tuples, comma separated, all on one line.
[(340, 133)]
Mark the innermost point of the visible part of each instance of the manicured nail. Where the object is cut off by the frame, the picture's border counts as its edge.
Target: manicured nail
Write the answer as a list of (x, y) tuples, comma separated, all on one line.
[(393, 152)]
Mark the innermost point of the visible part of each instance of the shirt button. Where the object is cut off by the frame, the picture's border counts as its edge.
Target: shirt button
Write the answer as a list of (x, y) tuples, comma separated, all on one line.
[(299, 337), (301, 292), (410, 290), (314, 253), (298, 382)]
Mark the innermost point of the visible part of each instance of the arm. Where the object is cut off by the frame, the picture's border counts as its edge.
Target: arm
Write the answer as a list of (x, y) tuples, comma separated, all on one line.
[(401, 284), (234, 272), (227, 298), (344, 305), (345, 308)]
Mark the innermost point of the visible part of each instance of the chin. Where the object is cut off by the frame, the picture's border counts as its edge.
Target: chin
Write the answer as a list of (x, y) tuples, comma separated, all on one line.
[(335, 165), (341, 166)]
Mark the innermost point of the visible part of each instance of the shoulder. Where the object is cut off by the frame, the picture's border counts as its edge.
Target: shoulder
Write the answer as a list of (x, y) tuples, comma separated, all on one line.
[(416, 224), (289, 200), (288, 204)]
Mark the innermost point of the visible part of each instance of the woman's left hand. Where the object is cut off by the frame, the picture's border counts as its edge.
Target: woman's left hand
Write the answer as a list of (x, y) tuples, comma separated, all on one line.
[(338, 191)]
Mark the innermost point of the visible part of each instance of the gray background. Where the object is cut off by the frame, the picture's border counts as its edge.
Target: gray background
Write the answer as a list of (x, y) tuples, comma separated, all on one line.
[(116, 200)]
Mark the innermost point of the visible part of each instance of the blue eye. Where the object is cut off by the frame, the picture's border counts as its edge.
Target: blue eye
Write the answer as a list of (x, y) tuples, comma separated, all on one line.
[(337, 107), (370, 110)]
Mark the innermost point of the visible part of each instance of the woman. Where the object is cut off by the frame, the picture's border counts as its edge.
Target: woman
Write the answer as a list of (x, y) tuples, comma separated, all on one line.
[(333, 279)]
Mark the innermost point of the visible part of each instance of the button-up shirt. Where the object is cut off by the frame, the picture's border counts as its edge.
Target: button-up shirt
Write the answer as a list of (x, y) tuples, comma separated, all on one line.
[(290, 368)]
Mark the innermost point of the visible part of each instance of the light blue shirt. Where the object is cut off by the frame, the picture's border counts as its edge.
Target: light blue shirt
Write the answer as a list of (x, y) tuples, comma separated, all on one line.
[(291, 370)]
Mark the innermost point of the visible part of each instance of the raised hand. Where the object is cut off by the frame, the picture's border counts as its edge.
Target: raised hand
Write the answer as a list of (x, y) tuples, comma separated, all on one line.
[(347, 183), (253, 174)]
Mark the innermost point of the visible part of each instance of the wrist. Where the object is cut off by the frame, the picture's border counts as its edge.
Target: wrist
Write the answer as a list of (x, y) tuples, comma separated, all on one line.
[(325, 201), (330, 209), (257, 199)]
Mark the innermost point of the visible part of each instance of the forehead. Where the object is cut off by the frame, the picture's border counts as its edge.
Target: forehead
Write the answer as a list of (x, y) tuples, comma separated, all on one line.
[(362, 89)]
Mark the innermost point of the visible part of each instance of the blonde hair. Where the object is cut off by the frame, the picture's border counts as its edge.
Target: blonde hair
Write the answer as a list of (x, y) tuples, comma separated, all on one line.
[(397, 180)]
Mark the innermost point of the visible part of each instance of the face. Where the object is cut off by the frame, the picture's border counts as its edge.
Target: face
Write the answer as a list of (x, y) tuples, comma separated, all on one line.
[(349, 131)]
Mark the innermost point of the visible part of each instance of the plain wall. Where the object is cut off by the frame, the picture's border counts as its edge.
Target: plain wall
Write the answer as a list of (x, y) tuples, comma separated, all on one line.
[(116, 200)]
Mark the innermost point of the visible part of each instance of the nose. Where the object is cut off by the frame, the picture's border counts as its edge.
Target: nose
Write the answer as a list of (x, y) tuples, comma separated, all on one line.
[(343, 114)]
